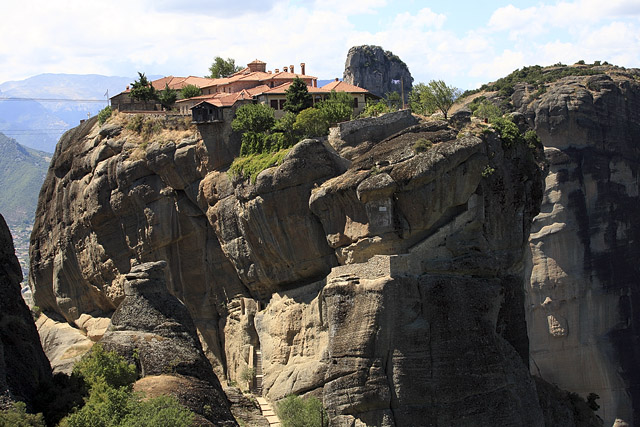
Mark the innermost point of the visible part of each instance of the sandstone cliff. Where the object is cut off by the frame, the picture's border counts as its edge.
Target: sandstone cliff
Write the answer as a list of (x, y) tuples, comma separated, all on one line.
[(154, 330), (383, 278), (582, 264), (24, 368), (377, 70)]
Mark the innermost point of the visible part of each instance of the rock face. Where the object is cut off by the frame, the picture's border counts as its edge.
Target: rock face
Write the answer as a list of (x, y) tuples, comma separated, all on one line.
[(384, 280), (583, 271), (377, 70), (23, 365), (153, 328)]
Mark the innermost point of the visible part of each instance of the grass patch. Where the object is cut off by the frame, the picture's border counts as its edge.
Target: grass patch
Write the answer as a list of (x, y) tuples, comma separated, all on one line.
[(251, 165), (422, 145)]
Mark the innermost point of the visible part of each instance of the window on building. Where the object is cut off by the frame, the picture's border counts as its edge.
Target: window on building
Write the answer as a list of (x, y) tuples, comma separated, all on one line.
[(282, 101), (274, 104), (355, 102)]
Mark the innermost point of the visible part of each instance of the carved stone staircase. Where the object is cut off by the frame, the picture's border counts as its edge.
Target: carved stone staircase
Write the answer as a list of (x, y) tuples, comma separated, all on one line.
[(259, 375)]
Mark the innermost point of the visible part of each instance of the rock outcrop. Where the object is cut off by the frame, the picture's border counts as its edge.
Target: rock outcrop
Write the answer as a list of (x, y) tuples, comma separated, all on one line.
[(377, 70), (583, 273), (583, 265), (23, 365), (153, 329), (346, 272)]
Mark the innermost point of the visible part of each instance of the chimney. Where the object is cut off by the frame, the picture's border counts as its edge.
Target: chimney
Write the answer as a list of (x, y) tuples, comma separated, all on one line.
[(285, 69), (337, 79), (302, 68), (291, 68), (277, 70)]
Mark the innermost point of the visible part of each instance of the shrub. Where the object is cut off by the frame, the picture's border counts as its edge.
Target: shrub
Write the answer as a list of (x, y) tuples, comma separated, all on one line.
[(35, 312), (393, 100), (311, 122), (475, 104), (119, 407), (251, 165), (100, 365), (487, 110), (488, 171), (104, 114), (374, 109), (422, 145), (161, 411), (294, 411), (248, 374), (17, 416), (531, 139), (253, 118), (337, 108), (135, 123), (508, 131)]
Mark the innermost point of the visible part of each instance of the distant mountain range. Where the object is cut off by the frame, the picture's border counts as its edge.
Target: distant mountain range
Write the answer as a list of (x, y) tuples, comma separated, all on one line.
[(38, 110), (22, 172)]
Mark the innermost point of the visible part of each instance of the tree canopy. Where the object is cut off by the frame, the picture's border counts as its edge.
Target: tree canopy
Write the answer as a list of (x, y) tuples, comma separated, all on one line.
[(311, 122), (223, 68), (142, 90), (435, 95), (298, 96), (167, 97), (337, 108), (189, 91), (253, 118)]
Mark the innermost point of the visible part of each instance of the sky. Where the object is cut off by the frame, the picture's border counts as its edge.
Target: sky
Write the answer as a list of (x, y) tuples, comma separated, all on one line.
[(464, 43)]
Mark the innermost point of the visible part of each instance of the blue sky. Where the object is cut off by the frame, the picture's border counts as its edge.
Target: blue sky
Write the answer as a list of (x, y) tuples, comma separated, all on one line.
[(463, 43)]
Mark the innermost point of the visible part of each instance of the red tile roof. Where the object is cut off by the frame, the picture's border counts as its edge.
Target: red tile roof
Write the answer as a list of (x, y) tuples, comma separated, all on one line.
[(339, 86), (283, 88)]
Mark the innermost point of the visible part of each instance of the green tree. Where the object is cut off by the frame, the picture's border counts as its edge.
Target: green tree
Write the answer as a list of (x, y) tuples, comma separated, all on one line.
[(17, 416), (487, 110), (394, 102), (435, 95), (167, 97), (415, 99), (298, 96), (100, 365), (142, 89), (223, 68), (375, 108), (253, 118), (311, 122), (295, 411), (107, 406), (103, 115), (189, 91), (337, 108)]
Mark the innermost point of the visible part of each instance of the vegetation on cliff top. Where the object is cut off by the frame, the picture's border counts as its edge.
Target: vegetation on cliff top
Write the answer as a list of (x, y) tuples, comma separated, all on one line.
[(537, 75), (265, 140)]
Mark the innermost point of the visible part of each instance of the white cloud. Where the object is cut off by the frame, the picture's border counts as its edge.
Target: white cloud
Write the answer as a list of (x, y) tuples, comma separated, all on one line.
[(121, 37)]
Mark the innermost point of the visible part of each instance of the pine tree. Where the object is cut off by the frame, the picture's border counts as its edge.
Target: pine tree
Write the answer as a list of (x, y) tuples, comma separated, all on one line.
[(298, 96)]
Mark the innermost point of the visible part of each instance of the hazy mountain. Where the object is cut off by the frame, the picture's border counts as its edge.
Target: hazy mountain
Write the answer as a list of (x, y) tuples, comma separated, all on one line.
[(54, 104), (22, 172)]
